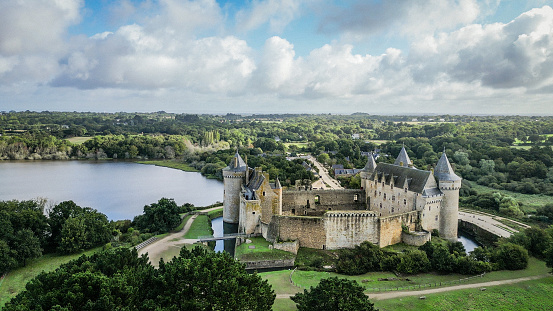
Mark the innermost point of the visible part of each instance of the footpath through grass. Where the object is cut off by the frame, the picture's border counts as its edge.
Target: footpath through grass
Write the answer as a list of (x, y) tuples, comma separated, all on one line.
[(529, 295), (170, 164), (16, 279), (200, 227)]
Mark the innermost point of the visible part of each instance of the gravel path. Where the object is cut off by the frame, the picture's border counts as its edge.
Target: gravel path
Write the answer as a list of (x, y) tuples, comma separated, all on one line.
[(391, 295)]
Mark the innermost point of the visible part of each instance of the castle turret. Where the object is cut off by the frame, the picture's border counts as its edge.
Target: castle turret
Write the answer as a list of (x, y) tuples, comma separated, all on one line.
[(367, 171), (449, 183), (234, 177), (403, 158)]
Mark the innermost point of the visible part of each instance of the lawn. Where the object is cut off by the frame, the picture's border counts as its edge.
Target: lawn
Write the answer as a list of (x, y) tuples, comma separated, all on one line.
[(200, 227), (529, 295), (215, 213), (259, 250), (170, 164), (16, 279), (78, 140), (529, 201)]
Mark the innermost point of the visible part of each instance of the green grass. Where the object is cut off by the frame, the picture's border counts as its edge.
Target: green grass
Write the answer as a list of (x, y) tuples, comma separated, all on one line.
[(182, 223), (261, 251), (529, 295), (170, 164), (78, 140), (299, 145), (306, 256), (17, 279), (378, 141), (200, 227), (215, 213), (529, 201)]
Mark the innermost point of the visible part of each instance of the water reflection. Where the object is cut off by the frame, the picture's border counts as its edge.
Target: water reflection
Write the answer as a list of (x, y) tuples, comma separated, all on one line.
[(467, 241), (219, 229)]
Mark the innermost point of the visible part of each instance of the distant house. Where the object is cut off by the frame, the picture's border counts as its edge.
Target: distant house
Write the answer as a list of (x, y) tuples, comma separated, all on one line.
[(337, 166), (355, 136), (345, 172), (277, 138)]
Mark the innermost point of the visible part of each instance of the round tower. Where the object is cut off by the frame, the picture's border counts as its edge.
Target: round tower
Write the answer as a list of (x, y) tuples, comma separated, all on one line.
[(234, 176), (449, 183)]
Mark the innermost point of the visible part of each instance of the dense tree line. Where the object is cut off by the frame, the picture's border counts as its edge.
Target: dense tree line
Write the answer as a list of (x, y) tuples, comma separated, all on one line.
[(441, 256), (159, 217), (480, 147), (120, 280), (25, 230)]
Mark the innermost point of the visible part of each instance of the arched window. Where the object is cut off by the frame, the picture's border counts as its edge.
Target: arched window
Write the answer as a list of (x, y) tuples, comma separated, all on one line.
[(380, 205)]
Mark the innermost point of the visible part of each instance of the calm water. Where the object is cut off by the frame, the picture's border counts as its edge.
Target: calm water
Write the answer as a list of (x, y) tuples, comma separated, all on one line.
[(118, 189), (467, 241)]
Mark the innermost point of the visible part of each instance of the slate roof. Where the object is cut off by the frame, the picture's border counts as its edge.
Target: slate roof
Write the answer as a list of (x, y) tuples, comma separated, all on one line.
[(371, 164), (416, 179), (403, 158), (236, 164), (346, 171), (444, 171)]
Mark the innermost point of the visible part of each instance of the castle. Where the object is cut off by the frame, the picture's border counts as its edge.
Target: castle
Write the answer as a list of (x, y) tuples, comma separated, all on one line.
[(397, 203)]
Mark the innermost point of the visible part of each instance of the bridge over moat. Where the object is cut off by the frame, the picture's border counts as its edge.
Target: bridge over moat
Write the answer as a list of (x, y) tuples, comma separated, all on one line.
[(229, 236), (496, 225)]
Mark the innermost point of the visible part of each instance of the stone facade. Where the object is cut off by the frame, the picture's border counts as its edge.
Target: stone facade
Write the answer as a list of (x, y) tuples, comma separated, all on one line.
[(393, 197)]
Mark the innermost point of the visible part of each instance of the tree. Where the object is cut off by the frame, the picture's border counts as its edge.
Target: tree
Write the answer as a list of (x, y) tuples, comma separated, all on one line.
[(413, 262), (120, 280), (333, 294), (510, 256), (6, 260), (160, 217), (26, 246)]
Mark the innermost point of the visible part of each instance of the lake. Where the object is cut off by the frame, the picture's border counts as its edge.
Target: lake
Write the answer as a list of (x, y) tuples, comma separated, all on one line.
[(118, 189)]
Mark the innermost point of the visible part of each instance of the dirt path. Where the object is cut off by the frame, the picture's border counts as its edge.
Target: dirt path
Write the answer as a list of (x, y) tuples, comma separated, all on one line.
[(391, 295), (174, 241)]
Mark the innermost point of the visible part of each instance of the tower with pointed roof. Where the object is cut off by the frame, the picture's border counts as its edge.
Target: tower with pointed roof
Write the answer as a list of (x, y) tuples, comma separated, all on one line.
[(403, 159), (234, 176), (449, 184)]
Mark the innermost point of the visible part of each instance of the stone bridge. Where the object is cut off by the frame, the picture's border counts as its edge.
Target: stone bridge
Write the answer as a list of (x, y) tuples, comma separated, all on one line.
[(490, 223)]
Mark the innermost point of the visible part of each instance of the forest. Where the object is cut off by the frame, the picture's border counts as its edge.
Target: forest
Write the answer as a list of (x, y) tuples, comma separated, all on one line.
[(511, 153)]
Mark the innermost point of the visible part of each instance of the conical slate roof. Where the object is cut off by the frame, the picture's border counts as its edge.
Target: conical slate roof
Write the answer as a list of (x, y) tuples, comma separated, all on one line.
[(403, 158), (237, 164), (277, 184), (371, 164), (444, 171)]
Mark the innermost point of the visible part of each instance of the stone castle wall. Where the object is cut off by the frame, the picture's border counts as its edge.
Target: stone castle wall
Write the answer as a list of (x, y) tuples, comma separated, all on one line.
[(351, 228), (233, 186), (415, 238), (317, 202), (390, 227), (309, 231)]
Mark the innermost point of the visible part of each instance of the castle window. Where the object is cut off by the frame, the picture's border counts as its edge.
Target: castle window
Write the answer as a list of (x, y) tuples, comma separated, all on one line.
[(375, 193), (317, 199), (380, 205), (436, 217), (305, 212), (405, 189), (384, 196), (380, 193), (263, 193), (293, 211), (392, 186), (355, 198), (253, 213), (392, 209), (404, 201), (393, 198)]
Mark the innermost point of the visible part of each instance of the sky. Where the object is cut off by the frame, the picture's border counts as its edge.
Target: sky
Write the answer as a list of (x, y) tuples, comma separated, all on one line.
[(278, 56)]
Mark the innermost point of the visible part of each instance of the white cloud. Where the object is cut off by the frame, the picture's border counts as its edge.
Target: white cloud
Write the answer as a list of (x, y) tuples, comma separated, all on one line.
[(278, 13), (510, 55), (410, 18)]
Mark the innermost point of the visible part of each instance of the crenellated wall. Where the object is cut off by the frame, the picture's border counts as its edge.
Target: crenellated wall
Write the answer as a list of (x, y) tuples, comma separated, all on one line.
[(351, 228)]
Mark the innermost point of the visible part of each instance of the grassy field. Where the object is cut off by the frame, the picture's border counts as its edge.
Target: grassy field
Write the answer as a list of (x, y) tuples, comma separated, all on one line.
[(280, 280), (78, 140), (529, 295), (299, 145), (529, 201), (215, 213), (170, 164), (260, 251), (17, 279), (200, 227)]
